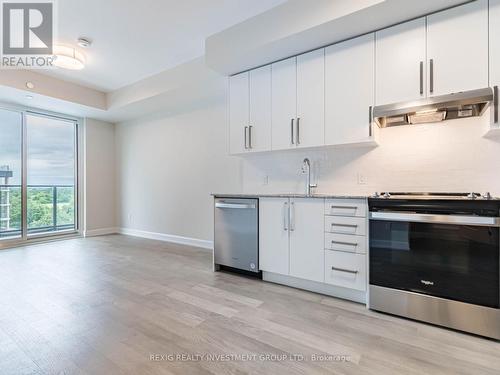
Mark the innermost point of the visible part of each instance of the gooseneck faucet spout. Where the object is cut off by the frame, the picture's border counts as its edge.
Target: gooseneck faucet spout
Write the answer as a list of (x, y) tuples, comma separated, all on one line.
[(306, 169)]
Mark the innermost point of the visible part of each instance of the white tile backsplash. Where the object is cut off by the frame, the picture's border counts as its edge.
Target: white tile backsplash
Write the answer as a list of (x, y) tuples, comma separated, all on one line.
[(448, 156)]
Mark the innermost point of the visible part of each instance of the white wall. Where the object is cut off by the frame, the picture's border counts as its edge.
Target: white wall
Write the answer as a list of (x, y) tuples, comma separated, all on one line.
[(167, 169), (100, 171), (169, 166)]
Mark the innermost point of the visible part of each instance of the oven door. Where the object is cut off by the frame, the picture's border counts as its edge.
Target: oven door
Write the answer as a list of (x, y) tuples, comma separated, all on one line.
[(445, 256)]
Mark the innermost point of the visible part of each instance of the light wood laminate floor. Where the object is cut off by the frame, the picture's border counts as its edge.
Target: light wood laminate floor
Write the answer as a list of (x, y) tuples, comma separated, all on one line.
[(106, 305)]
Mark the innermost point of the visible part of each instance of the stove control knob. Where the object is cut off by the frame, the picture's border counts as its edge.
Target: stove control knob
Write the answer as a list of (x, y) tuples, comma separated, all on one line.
[(487, 195), (376, 195), (387, 195), (472, 196)]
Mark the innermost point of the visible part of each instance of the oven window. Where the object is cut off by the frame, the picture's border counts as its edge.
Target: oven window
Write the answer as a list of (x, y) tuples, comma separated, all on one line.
[(450, 261)]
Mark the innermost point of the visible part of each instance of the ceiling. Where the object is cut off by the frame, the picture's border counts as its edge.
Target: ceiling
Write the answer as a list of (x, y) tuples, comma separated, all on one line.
[(135, 39)]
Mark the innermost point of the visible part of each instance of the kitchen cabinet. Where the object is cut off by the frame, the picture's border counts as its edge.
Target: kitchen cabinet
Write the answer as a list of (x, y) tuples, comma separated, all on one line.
[(307, 239), (401, 62), (259, 128), (349, 90), (273, 235), (238, 113), (310, 122), (284, 103), (494, 47), (250, 111), (291, 237), (298, 101), (457, 49)]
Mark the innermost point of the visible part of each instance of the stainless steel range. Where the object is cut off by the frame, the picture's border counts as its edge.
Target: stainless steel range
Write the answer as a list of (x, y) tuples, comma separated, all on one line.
[(435, 257)]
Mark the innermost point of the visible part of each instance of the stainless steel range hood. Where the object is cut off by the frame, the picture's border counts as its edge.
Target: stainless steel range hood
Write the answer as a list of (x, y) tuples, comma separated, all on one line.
[(437, 108)]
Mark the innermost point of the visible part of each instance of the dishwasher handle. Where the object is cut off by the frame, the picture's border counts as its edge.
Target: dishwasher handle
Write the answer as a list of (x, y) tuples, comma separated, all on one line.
[(235, 205)]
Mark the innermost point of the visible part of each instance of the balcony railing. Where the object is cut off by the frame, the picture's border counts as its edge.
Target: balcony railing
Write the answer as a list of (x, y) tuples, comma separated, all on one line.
[(50, 208)]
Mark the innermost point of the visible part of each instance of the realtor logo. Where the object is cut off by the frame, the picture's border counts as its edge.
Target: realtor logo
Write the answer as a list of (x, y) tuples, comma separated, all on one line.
[(27, 28)]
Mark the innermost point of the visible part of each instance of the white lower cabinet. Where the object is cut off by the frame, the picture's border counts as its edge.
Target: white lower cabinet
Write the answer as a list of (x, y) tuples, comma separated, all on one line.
[(344, 269), (298, 242), (273, 235), (291, 237), (306, 239)]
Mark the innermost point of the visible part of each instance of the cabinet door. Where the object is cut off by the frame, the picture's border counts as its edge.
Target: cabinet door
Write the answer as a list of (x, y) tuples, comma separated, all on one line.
[(273, 235), (259, 132), (494, 42), (494, 24), (307, 239), (310, 127), (400, 62), (457, 44), (349, 90), (284, 103), (238, 112)]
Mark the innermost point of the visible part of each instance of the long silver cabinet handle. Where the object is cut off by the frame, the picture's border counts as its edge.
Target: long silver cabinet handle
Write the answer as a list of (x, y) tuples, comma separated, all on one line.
[(421, 77), (298, 130), (495, 104), (344, 225), (292, 217), (370, 120), (431, 76), (285, 216), (348, 207), (291, 132), (344, 270), (436, 219), (246, 139), (250, 127), (344, 243)]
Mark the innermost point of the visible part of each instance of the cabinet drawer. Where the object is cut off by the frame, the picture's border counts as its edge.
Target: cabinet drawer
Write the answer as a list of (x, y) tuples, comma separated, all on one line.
[(345, 269), (345, 242), (345, 225), (345, 207)]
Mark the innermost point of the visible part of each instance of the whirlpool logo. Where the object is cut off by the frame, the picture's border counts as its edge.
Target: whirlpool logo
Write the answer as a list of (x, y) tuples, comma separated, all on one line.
[(427, 282), (27, 34)]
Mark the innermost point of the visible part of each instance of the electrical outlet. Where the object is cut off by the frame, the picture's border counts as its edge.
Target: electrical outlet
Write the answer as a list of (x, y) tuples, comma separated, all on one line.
[(362, 179), (265, 181)]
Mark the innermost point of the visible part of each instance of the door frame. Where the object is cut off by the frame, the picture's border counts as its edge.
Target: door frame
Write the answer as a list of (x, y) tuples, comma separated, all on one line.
[(79, 180)]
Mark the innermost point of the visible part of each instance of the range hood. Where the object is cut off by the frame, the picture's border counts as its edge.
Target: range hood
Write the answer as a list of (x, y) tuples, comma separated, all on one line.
[(437, 108)]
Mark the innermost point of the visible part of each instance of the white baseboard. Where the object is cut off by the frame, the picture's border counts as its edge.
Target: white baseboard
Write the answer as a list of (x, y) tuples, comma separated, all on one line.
[(313, 286), (189, 241), (100, 232)]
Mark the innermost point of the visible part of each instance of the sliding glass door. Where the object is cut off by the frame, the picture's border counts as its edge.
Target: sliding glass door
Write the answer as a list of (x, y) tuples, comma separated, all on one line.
[(38, 175)]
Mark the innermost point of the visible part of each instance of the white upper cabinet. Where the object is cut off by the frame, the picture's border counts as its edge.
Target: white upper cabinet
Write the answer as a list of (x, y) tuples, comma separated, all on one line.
[(307, 239), (457, 49), (400, 63), (494, 23), (310, 122), (284, 103), (349, 90), (238, 113), (259, 128), (273, 235)]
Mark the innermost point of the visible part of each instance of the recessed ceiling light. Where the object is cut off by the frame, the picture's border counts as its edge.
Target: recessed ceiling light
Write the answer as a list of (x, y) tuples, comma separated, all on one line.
[(84, 42), (30, 85), (68, 58), (29, 97)]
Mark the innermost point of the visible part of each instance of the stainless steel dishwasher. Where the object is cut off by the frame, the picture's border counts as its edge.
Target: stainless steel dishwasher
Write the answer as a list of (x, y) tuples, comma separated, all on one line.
[(236, 237)]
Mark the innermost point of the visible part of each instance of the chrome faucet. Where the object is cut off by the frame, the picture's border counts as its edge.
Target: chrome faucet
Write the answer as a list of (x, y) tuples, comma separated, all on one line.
[(306, 168)]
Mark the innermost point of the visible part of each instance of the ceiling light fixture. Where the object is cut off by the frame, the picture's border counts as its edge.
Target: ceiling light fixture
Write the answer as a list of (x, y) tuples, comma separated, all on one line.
[(68, 58), (30, 85)]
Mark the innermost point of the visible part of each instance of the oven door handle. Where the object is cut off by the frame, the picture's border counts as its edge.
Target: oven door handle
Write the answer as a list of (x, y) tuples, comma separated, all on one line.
[(436, 219)]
